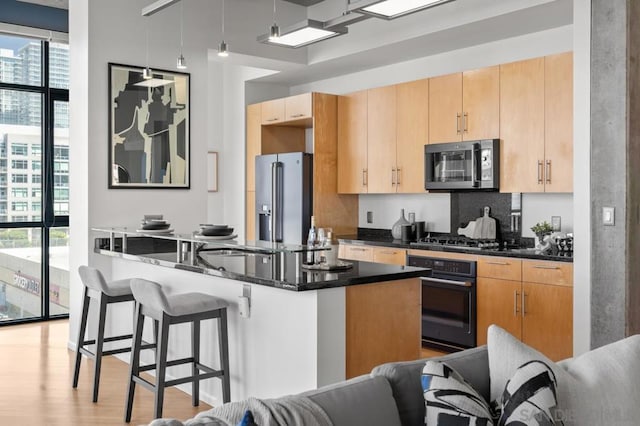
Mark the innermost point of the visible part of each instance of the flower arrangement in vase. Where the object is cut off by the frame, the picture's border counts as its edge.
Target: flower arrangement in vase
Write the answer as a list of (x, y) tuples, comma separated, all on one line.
[(541, 230)]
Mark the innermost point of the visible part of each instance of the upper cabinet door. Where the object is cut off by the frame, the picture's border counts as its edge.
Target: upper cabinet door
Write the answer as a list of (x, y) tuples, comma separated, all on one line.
[(558, 110), (412, 133), (297, 107), (352, 143), (273, 111), (445, 108), (481, 104), (254, 128), (522, 126), (381, 150)]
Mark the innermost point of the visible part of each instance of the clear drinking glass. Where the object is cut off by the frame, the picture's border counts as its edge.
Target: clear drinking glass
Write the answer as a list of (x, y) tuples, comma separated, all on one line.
[(322, 241)]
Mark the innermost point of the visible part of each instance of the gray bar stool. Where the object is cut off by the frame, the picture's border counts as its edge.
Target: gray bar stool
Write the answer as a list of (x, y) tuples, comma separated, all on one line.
[(152, 302), (95, 286)]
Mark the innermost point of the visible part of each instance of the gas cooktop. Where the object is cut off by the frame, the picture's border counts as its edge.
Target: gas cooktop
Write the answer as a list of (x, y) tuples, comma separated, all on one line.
[(457, 242)]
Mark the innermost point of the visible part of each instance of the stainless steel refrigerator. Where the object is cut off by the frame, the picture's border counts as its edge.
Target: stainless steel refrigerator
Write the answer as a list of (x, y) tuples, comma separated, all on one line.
[(284, 197)]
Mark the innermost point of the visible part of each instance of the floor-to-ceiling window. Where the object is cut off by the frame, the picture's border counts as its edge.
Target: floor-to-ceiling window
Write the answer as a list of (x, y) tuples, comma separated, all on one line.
[(34, 179)]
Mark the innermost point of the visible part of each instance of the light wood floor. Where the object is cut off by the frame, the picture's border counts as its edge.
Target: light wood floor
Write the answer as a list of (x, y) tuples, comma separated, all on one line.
[(36, 369)]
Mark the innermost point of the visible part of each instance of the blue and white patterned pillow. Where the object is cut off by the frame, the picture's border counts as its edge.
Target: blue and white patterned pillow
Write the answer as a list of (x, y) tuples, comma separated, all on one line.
[(450, 400), (529, 398)]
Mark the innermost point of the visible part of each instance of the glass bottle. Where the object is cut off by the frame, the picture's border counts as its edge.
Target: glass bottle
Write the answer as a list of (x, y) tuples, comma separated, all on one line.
[(312, 241), (396, 230)]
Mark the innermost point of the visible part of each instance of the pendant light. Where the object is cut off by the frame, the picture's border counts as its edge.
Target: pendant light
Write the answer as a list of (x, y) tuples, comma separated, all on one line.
[(274, 31), (181, 64), (222, 48)]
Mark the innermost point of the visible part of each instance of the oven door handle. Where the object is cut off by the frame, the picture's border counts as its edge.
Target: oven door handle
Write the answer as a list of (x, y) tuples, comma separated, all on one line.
[(451, 282)]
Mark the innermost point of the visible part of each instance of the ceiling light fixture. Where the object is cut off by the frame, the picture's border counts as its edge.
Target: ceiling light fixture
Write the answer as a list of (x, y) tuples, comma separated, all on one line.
[(304, 33), (391, 9), (274, 31), (181, 63), (222, 49)]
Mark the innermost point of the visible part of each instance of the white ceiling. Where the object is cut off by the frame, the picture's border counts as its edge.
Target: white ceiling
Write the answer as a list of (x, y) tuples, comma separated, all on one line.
[(369, 44)]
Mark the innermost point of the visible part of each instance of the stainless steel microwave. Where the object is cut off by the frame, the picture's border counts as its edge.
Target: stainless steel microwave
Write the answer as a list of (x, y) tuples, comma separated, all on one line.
[(460, 166)]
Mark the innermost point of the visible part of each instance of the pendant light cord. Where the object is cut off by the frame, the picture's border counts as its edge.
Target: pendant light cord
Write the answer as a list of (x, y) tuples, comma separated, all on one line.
[(222, 19), (274, 11), (181, 26)]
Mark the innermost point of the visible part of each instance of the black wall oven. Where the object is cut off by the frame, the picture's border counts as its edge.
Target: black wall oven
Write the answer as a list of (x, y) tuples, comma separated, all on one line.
[(448, 302)]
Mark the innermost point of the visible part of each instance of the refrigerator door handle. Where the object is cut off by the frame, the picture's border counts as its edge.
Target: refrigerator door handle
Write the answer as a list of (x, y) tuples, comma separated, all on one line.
[(277, 183)]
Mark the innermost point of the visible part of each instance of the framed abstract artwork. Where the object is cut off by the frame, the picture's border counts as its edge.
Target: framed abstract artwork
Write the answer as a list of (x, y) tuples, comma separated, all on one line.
[(148, 128)]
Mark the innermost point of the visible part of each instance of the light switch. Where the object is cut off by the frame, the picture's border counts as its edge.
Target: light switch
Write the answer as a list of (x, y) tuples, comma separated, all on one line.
[(609, 216)]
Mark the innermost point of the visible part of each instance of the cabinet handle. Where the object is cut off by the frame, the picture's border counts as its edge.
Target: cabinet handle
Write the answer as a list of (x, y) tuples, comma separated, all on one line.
[(547, 171), (393, 176), (457, 123), (498, 263), (388, 252), (357, 249), (540, 171), (465, 120), (398, 176), (364, 177), (515, 303), (272, 119), (524, 304), (545, 267), (296, 115)]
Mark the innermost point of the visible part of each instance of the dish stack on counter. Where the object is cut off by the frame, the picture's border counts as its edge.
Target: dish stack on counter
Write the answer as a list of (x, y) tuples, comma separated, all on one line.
[(154, 224), (215, 232)]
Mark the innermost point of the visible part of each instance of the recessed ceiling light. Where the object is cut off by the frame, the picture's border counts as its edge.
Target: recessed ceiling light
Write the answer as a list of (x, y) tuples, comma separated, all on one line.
[(391, 9), (302, 34)]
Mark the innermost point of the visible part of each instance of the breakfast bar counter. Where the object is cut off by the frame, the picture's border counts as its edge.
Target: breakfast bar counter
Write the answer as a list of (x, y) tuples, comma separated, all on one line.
[(302, 328)]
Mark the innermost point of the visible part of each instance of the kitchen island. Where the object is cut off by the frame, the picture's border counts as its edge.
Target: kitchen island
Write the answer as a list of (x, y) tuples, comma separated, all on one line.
[(306, 328)]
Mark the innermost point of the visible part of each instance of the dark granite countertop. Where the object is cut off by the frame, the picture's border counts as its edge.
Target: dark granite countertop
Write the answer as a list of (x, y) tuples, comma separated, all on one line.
[(388, 241), (280, 270)]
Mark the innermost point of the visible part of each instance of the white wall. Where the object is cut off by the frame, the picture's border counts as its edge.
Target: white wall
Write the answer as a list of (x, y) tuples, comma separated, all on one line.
[(582, 177), (432, 208), (540, 207), (95, 42)]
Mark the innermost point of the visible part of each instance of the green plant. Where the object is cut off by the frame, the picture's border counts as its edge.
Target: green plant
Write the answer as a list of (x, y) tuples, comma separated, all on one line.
[(542, 228)]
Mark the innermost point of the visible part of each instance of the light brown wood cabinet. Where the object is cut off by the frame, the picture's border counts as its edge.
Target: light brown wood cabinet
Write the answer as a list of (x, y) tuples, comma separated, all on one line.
[(272, 111), (465, 106), (298, 107), (382, 324), (391, 142), (536, 125), (389, 255), (295, 115), (381, 140), (533, 300), (558, 122), (412, 132), (352, 143), (392, 256)]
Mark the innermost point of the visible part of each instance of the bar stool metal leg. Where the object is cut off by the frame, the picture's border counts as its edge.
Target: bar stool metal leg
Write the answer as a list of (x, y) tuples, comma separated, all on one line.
[(223, 343), (161, 365), (135, 360), (81, 333), (99, 345), (195, 353)]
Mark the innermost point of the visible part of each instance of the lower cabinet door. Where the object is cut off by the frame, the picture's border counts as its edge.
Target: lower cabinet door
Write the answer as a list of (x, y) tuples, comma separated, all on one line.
[(548, 319), (499, 302), (389, 255)]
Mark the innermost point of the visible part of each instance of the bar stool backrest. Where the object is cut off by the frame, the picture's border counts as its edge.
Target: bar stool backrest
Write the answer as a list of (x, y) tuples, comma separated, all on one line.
[(150, 295), (93, 278)]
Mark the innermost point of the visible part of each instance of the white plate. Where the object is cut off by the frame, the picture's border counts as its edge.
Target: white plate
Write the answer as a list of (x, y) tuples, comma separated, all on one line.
[(155, 231), (215, 237)]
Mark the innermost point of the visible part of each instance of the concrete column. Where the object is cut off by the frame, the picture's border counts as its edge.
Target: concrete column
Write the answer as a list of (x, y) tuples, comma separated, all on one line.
[(615, 171)]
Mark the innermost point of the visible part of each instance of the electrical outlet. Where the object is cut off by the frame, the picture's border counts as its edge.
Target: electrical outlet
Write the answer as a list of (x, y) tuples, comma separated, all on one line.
[(369, 217)]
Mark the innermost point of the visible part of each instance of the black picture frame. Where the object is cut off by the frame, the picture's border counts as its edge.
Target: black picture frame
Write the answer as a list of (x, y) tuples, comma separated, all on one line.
[(149, 129)]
